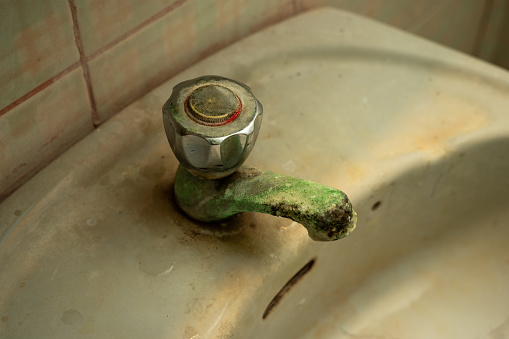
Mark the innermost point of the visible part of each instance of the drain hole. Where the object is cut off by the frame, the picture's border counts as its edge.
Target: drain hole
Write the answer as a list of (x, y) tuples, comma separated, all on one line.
[(299, 275), (376, 205)]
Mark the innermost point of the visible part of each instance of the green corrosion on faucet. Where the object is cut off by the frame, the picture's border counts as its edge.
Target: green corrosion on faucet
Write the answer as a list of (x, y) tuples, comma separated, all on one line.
[(325, 212), (212, 124)]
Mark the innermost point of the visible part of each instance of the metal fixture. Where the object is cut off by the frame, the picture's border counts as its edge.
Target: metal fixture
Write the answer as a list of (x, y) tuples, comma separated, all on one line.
[(212, 123)]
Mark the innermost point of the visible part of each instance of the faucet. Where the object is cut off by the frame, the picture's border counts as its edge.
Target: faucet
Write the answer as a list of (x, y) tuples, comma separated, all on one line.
[(212, 124)]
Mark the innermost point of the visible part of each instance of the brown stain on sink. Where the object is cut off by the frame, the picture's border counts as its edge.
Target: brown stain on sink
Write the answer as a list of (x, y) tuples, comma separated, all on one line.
[(430, 129), (355, 172), (287, 287)]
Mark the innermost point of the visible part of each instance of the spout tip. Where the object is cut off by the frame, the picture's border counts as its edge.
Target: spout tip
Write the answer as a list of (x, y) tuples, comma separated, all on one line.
[(336, 224)]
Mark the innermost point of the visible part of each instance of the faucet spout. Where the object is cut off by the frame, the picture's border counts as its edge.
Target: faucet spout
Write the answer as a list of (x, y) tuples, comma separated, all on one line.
[(212, 124), (325, 212)]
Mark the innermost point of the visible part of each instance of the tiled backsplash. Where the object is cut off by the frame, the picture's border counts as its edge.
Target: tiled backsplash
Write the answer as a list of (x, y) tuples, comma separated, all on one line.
[(69, 65)]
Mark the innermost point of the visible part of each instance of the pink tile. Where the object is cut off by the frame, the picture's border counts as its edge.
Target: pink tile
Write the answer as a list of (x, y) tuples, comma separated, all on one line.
[(455, 24), (36, 43), (101, 22), (494, 45), (38, 130), (194, 30)]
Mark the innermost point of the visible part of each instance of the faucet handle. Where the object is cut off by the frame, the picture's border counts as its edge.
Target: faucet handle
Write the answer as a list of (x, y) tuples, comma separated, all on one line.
[(212, 123)]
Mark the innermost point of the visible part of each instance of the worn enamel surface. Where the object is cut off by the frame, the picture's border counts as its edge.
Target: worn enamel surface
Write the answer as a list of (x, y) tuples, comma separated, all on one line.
[(416, 135)]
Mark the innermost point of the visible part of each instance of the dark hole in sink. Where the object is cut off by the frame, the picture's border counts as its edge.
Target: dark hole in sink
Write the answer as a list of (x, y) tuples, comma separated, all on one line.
[(376, 205), (287, 287)]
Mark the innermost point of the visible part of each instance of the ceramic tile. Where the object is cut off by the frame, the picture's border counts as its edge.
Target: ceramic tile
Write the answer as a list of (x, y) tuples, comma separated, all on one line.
[(36, 43), (502, 57), (101, 21), (454, 24), (495, 43), (497, 17), (35, 132), (176, 41)]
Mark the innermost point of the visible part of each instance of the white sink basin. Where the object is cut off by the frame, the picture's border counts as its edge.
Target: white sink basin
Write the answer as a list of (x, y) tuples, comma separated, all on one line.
[(416, 134)]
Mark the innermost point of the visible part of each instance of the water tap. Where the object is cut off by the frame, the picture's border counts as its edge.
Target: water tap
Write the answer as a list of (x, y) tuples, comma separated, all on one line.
[(212, 123)]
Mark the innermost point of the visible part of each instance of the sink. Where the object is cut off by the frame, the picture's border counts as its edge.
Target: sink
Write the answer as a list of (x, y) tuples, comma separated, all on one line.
[(416, 134)]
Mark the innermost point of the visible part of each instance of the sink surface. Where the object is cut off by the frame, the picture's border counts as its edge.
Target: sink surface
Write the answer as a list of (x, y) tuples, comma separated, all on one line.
[(416, 134)]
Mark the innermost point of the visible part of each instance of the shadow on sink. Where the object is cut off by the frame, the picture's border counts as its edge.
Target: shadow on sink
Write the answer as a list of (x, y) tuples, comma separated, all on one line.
[(430, 259)]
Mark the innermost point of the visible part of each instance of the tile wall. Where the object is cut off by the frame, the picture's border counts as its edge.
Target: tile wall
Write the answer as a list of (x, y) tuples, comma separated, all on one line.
[(66, 66)]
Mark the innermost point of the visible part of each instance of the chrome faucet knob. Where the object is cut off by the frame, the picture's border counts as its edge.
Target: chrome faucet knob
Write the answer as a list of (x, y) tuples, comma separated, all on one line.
[(212, 123)]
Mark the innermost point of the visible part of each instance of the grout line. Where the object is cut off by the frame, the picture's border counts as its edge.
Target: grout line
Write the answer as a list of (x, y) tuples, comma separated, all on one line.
[(39, 88), (86, 74), (130, 32), (295, 7), (83, 60), (482, 29)]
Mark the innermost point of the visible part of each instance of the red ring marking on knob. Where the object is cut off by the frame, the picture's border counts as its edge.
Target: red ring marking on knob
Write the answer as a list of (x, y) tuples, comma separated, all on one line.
[(234, 116)]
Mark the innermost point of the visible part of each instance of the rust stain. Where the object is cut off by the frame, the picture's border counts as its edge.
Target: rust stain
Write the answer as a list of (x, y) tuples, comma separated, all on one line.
[(52, 139), (429, 128), (355, 171), (18, 168)]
